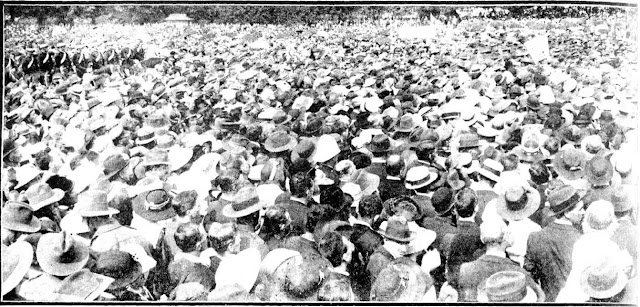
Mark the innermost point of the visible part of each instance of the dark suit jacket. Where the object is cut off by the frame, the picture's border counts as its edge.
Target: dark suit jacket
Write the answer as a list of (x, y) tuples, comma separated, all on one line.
[(298, 213), (425, 205), (378, 169), (390, 188), (366, 242), (548, 257), (465, 247), (378, 261), (475, 272)]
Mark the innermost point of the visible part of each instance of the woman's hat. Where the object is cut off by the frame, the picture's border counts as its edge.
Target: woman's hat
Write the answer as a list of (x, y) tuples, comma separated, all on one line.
[(402, 280), (94, 203), (59, 254), (124, 265), (16, 261), (518, 202), (604, 278), (245, 202), (379, 143), (570, 163), (507, 287), (599, 170), (156, 157), (154, 206), (564, 198), (114, 164), (419, 176), (280, 141), (18, 216), (41, 195)]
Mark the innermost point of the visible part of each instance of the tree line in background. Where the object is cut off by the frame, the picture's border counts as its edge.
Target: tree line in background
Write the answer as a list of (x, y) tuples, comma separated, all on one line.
[(141, 14)]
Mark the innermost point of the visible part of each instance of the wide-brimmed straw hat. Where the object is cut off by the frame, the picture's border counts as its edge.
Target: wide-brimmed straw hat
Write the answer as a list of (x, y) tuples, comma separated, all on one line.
[(16, 261), (599, 170), (41, 195), (518, 202), (245, 202), (564, 198), (18, 216), (59, 254)]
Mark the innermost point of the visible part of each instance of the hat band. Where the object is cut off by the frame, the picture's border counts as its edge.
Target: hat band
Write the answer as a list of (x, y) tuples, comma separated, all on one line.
[(491, 170), (146, 137), (569, 202), (156, 207), (419, 182), (515, 296), (245, 204), (519, 204)]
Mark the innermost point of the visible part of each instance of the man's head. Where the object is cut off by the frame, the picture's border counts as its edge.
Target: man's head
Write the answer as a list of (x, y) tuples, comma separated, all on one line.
[(221, 236), (336, 248), (466, 203), (493, 233), (395, 165), (188, 237), (370, 206)]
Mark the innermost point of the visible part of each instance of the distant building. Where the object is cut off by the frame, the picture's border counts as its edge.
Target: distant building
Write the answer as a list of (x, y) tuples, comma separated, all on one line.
[(178, 19)]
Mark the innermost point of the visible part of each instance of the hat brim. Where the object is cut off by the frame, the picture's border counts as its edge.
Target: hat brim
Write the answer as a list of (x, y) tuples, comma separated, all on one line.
[(25, 253), (432, 178), (58, 194), (531, 158), (289, 146), (228, 210), (621, 283), (412, 236), (533, 203), (56, 268), (152, 215), (144, 142), (33, 226), (581, 194), (114, 172)]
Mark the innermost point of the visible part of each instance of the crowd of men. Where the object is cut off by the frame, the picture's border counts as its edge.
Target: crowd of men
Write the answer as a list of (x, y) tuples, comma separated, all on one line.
[(271, 163)]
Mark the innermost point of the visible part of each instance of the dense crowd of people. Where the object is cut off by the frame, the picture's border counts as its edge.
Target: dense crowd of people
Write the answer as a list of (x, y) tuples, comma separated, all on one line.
[(319, 163)]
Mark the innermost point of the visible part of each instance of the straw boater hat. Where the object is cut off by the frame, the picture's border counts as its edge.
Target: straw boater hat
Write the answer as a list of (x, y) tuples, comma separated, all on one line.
[(41, 195), (59, 254), (419, 176), (245, 202), (518, 202), (599, 170), (16, 261), (564, 198)]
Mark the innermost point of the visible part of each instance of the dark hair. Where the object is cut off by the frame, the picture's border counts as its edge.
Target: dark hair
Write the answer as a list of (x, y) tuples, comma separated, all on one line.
[(251, 220), (465, 202), (124, 205), (335, 290), (317, 215), (276, 222), (394, 165), (184, 202), (539, 173), (370, 206), (332, 247), (299, 184), (552, 145), (187, 237), (509, 161)]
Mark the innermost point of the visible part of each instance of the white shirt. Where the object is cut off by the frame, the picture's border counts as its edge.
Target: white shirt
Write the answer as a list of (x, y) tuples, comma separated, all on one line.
[(519, 232)]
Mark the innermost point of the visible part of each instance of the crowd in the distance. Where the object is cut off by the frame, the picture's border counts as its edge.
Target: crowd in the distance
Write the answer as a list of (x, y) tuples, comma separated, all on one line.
[(279, 163)]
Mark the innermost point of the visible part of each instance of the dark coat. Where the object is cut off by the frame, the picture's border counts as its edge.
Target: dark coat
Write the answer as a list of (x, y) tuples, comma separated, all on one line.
[(377, 262), (425, 205), (475, 272), (465, 247), (366, 242), (390, 188), (548, 257)]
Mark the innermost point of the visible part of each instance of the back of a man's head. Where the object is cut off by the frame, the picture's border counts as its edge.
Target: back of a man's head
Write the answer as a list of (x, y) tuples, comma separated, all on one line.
[(492, 232), (370, 206), (187, 237), (466, 201), (395, 165)]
